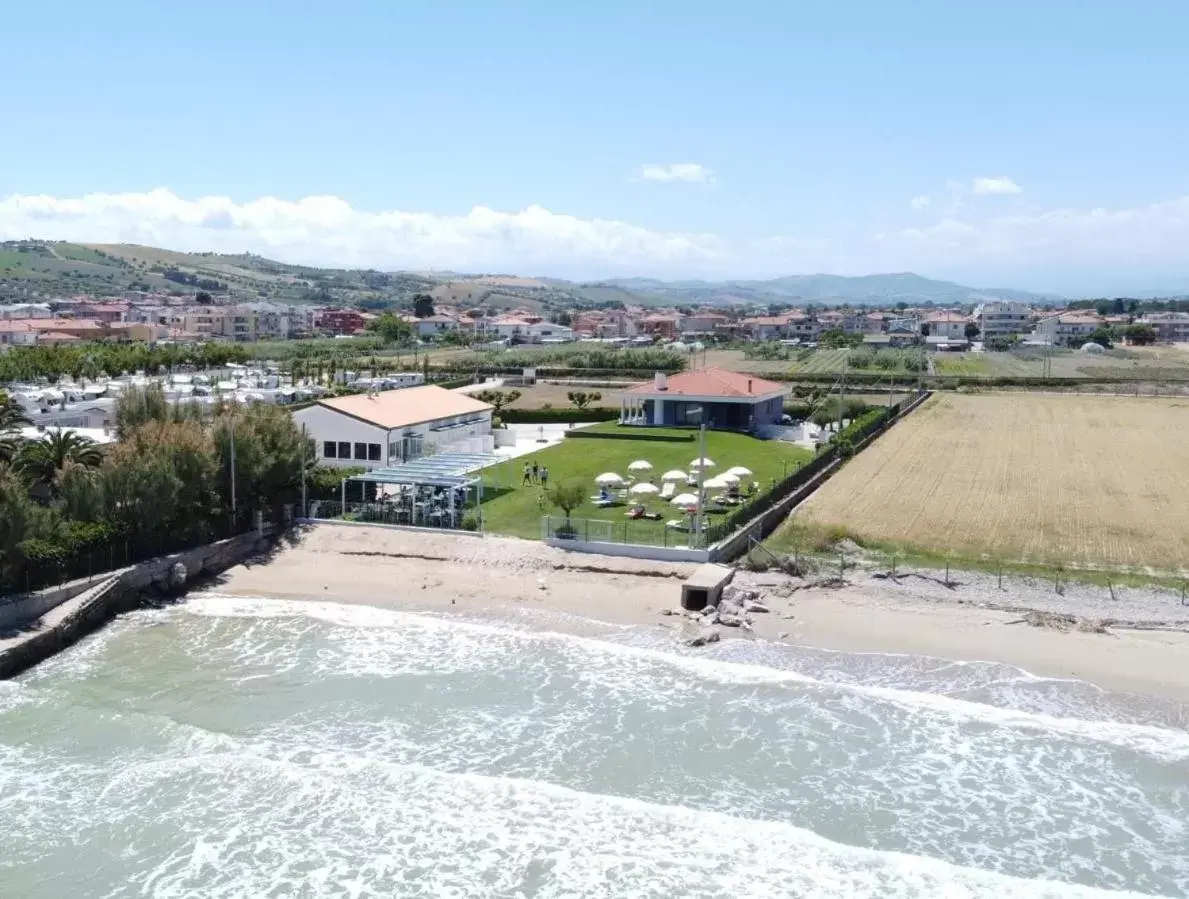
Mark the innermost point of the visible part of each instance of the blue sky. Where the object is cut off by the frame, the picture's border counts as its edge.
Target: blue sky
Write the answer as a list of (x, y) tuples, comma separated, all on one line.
[(1041, 145)]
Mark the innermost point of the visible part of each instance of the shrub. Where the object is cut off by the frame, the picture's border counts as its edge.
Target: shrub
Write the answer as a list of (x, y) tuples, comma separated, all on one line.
[(470, 522)]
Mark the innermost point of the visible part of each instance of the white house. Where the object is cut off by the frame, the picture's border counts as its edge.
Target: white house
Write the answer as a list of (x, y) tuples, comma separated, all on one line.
[(949, 325), (432, 324), (1071, 327), (384, 429)]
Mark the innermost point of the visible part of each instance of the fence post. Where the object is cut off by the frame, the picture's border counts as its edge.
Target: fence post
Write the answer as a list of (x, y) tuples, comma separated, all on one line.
[(841, 565), (947, 572), (1110, 587), (1000, 575), (893, 564)]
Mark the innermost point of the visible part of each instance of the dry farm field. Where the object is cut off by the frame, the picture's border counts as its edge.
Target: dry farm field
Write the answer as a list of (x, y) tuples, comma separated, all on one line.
[(1082, 481)]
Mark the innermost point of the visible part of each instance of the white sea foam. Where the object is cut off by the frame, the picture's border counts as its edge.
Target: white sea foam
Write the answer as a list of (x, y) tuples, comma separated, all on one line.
[(334, 822), (1162, 743)]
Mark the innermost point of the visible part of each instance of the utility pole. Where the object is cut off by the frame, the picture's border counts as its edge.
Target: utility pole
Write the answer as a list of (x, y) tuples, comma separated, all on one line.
[(697, 528), (303, 471), (234, 509), (841, 396)]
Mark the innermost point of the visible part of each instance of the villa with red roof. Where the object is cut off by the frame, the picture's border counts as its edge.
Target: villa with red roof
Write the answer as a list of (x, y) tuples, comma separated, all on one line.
[(728, 400)]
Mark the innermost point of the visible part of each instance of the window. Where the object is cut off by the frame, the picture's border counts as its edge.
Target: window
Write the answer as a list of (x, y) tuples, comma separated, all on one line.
[(361, 451), (373, 452), (393, 451), (330, 450), (344, 450)]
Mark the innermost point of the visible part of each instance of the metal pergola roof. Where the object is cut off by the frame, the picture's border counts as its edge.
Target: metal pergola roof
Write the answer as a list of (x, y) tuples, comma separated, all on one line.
[(442, 470)]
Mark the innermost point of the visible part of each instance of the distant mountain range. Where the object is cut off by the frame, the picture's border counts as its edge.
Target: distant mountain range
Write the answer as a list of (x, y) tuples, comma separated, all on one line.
[(35, 269), (904, 287)]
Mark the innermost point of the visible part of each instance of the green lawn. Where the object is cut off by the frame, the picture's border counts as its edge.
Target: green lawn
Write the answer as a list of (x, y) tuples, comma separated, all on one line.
[(515, 510)]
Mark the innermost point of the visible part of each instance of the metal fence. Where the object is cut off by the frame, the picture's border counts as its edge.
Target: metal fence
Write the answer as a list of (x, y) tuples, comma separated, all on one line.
[(636, 532), (463, 519), (98, 561)]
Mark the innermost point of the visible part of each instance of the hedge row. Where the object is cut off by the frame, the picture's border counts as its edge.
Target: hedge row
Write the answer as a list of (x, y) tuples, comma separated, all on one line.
[(631, 434), (559, 416)]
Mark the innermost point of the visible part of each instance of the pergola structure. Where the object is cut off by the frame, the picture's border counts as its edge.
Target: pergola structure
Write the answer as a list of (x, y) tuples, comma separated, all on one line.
[(434, 491)]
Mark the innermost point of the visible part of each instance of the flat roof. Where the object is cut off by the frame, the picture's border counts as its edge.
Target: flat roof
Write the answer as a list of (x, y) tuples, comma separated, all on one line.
[(441, 470), (405, 406)]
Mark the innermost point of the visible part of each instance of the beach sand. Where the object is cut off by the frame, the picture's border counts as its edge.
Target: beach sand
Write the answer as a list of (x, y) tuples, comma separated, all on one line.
[(489, 576)]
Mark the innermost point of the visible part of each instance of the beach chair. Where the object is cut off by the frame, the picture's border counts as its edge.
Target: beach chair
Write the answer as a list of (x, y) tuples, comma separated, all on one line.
[(669, 490)]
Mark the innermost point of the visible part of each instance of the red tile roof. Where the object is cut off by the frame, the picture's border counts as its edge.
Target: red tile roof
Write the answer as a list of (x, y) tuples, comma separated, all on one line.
[(711, 381)]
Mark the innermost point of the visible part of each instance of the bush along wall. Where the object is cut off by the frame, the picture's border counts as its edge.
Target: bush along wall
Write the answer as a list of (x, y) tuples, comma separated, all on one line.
[(559, 416)]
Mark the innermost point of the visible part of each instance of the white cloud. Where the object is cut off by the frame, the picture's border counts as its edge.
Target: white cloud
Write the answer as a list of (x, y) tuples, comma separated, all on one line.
[(1074, 250), (999, 185), (919, 202), (328, 231), (678, 171)]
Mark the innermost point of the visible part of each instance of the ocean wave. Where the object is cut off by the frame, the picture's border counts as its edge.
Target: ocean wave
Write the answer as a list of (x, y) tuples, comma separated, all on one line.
[(250, 824), (1162, 743)]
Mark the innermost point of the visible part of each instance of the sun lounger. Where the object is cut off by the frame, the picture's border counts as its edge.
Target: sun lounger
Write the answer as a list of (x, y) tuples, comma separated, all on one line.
[(669, 490)]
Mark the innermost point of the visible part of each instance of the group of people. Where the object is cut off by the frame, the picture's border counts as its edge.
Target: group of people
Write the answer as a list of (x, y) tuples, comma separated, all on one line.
[(534, 474)]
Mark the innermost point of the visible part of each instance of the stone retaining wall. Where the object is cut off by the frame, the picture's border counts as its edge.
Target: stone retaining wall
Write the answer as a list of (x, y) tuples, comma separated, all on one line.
[(51, 620)]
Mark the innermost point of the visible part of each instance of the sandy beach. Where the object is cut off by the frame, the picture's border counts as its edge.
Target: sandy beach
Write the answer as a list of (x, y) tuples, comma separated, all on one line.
[(969, 622)]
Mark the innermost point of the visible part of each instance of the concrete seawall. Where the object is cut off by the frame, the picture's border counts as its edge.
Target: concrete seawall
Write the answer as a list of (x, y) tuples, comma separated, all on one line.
[(44, 623)]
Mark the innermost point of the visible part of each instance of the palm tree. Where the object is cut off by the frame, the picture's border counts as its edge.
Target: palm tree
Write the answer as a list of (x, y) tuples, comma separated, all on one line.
[(45, 459), (12, 414)]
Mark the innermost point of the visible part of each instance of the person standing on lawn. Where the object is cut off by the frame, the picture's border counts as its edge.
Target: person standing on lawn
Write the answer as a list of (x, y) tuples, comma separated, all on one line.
[(527, 475), (544, 476)]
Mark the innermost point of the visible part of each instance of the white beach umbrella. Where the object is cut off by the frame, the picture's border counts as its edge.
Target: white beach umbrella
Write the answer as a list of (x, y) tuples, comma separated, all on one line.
[(727, 478), (644, 487), (640, 465), (702, 463), (718, 483), (608, 479), (674, 475), (684, 499), (741, 471)]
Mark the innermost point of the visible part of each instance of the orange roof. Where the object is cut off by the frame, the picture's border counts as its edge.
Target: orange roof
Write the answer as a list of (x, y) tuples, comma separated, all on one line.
[(710, 382), (408, 406)]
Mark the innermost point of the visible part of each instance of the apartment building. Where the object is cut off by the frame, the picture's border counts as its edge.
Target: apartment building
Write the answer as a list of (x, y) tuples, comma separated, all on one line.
[(1170, 327), (1002, 319), (1067, 328)]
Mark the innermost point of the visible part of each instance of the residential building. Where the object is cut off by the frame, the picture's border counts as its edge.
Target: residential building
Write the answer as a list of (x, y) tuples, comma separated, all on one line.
[(17, 333), (714, 396), (1172, 327), (799, 326), (432, 324), (384, 429), (876, 322), (703, 323), (1002, 319), (25, 310), (765, 327), (660, 326), (1067, 328), (103, 312), (339, 321), (947, 325)]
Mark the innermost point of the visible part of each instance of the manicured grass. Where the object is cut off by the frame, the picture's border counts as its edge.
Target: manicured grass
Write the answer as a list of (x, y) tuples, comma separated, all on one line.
[(515, 510)]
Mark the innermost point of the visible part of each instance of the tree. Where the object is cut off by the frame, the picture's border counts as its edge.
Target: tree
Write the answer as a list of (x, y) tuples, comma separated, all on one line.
[(498, 399), (972, 330), (568, 496), (202, 298), (423, 305), (581, 398), (12, 414), (1101, 336), (926, 329), (1118, 307), (1140, 335), (391, 328), (46, 459)]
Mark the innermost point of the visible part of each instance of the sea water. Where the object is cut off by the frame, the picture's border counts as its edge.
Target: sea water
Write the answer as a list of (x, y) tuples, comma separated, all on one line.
[(241, 747)]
